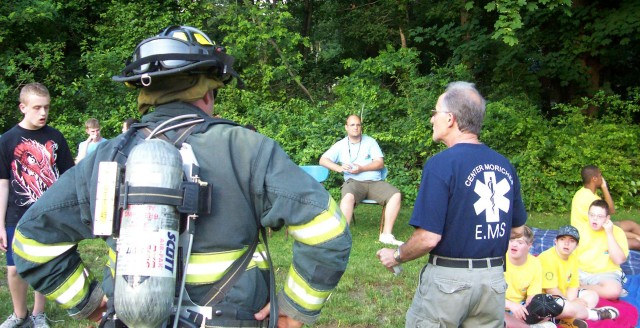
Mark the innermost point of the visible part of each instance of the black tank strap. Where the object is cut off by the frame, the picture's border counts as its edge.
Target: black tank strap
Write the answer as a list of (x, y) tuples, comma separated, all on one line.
[(177, 133), (220, 288)]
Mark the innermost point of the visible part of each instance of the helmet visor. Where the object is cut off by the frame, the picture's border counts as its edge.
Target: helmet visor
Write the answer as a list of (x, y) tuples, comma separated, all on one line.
[(161, 46)]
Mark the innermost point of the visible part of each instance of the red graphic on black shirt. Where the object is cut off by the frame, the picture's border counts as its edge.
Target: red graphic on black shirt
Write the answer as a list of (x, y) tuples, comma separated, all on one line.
[(34, 169)]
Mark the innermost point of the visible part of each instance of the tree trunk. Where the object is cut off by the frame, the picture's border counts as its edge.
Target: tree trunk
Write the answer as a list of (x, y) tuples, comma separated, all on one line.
[(403, 6), (592, 66), (306, 27), (464, 19)]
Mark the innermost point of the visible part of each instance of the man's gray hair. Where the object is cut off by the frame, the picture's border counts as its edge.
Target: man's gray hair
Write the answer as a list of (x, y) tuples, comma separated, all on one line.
[(465, 102)]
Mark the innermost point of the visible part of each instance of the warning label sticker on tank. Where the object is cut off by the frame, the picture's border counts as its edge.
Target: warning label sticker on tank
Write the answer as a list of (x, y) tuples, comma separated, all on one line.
[(151, 254)]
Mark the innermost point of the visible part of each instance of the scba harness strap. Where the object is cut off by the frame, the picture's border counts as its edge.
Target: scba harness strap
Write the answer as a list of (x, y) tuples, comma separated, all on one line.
[(193, 198)]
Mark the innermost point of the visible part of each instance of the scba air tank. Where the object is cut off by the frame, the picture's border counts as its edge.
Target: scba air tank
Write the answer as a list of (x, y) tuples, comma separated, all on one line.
[(147, 248)]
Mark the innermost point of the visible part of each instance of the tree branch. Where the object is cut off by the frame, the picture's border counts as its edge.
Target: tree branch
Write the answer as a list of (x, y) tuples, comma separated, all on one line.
[(293, 76)]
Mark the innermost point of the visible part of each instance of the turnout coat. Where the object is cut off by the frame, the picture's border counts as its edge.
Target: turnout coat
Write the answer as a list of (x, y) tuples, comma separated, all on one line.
[(254, 182)]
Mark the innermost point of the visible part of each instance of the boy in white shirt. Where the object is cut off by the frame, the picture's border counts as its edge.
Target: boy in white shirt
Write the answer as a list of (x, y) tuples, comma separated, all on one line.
[(92, 127)]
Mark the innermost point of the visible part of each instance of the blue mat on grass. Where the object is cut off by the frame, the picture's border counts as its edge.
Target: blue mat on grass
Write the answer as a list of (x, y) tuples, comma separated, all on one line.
[(632, 285)]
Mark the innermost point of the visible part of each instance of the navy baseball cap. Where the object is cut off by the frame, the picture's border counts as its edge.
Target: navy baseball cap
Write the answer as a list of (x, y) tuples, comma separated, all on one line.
[(570, 231)]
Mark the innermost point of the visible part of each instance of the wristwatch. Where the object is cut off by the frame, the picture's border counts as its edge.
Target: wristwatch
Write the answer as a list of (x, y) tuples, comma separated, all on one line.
[(396, 255)]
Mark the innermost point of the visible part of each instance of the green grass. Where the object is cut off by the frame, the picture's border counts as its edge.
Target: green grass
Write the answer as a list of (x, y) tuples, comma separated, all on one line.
[(368, 295)]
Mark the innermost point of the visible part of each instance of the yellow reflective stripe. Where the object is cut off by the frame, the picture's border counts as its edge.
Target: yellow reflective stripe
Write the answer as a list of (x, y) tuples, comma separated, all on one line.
[(209, 267), (111, 262), (327, 225), (303, 294), (36, 252), (73, 290), (259, 259)]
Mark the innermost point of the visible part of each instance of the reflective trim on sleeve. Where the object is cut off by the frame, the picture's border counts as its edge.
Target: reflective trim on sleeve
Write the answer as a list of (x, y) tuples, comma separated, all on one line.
[(303, 294), (36, 252), (111, 262), (327, 225), (73, 290)]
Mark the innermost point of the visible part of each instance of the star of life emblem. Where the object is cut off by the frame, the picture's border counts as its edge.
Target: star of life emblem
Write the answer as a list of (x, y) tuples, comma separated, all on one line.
[(492, 198)]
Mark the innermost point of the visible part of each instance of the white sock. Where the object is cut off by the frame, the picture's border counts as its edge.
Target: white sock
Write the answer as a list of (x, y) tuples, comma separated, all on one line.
[(593, 315)]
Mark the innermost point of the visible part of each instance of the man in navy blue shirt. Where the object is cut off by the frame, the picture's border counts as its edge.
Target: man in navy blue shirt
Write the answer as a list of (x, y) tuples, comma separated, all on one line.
[(468, 206)]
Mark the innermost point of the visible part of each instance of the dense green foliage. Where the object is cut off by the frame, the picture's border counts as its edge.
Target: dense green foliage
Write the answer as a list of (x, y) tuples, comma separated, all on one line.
[(560, 76), (549, 153)]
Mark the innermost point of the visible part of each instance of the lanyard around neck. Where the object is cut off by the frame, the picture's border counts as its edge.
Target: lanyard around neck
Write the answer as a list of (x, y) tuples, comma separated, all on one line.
[(357, 152)]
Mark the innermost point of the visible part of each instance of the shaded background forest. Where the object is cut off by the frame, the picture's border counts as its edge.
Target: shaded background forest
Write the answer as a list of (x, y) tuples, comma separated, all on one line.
[(560, 76)]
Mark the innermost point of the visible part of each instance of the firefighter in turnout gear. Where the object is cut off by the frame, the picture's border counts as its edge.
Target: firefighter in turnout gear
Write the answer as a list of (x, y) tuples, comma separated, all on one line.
[(252, 184)]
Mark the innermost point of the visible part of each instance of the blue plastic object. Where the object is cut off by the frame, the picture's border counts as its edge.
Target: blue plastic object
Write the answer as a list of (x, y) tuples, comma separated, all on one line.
[(318, 172)]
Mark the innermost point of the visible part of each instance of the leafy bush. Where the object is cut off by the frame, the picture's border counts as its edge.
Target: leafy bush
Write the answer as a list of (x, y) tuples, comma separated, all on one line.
[(395, 103), (287, 102), (549, 154)]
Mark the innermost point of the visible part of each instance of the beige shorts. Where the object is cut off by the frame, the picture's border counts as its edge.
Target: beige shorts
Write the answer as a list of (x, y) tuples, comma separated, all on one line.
[(380, 191)]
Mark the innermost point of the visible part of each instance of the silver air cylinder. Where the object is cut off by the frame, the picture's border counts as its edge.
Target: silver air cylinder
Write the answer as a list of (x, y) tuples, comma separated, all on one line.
[(148, 244)]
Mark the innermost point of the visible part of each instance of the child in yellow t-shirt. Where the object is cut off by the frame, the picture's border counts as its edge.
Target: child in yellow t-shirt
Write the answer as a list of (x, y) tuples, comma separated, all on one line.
[(523, 276), (560, 277), (603, 249)]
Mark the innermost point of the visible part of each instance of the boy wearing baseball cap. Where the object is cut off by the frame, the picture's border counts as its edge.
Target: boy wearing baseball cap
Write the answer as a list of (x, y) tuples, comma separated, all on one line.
[(560, 277)]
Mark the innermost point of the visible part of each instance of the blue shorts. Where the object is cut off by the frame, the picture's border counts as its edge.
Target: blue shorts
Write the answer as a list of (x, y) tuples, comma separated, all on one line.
[(9, 253)]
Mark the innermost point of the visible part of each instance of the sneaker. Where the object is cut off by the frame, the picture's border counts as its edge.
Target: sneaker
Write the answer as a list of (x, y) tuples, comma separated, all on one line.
[(387, 238), (545, 324), (572, 323), (14, 322), (40, 320), (607, 312)]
